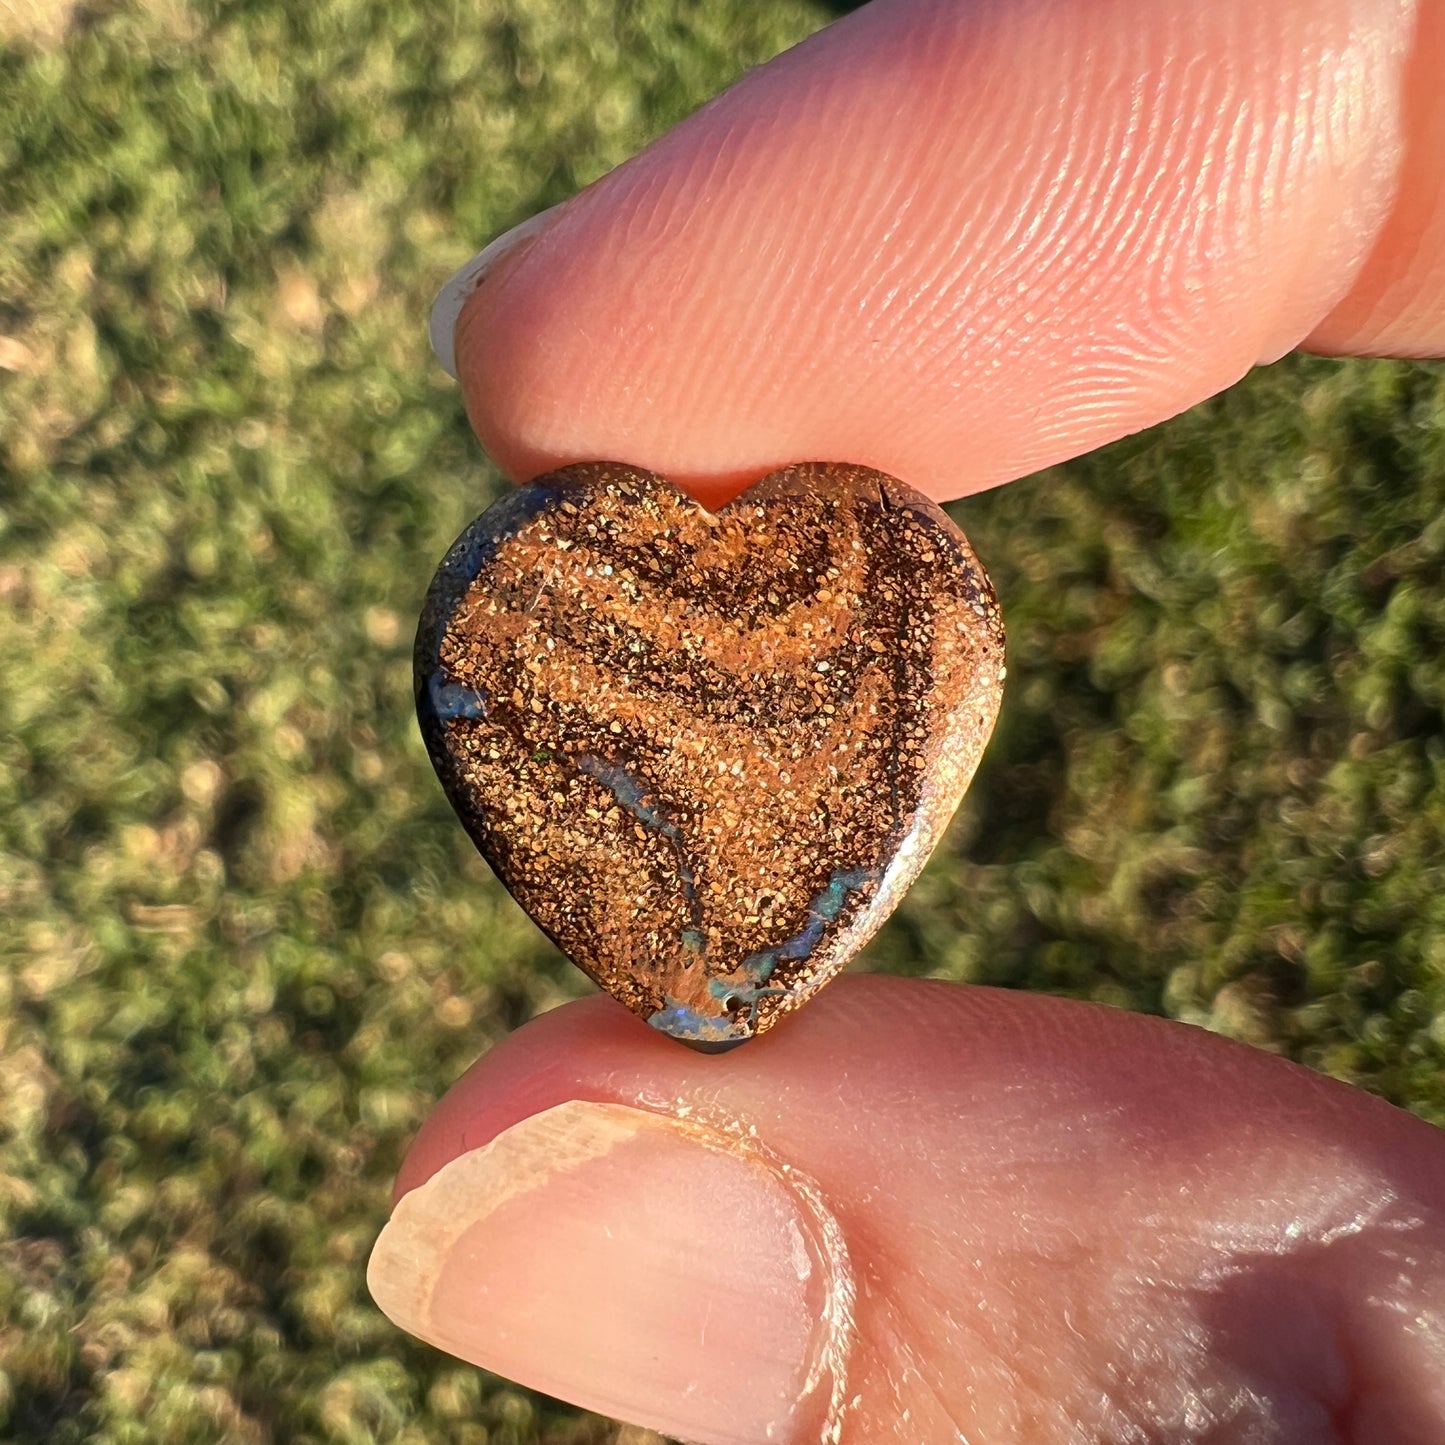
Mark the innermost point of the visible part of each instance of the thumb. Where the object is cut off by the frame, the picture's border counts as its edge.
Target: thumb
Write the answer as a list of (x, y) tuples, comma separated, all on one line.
[(920, 1212), (957, 242)]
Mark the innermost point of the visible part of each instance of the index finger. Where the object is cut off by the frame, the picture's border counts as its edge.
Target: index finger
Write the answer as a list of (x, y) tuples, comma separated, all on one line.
[(957, 242)]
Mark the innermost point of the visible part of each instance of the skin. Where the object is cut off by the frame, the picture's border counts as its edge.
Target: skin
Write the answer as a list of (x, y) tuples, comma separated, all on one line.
[(956, 242)]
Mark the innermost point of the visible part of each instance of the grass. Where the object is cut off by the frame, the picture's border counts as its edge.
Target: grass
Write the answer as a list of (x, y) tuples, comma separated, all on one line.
[(245, 944)]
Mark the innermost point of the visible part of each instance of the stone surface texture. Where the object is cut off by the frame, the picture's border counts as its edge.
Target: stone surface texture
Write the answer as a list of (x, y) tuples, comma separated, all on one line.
[(706, 752)]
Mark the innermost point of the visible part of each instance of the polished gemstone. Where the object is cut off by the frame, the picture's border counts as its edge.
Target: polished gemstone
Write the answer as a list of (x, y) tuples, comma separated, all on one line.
[(708, 752)]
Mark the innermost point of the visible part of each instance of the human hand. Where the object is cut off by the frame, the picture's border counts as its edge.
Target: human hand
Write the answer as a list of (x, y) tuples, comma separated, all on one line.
[(955, 242)]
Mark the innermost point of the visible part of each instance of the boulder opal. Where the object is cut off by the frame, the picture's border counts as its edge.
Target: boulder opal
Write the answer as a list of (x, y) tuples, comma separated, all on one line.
[(708, 752)]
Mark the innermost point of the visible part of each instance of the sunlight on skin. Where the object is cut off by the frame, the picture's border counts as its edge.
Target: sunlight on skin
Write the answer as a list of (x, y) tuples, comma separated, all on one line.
[(1051, 1214), (959, 242)]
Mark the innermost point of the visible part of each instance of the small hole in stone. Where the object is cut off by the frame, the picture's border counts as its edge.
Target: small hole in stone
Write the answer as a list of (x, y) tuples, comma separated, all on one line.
[(732, 1003)]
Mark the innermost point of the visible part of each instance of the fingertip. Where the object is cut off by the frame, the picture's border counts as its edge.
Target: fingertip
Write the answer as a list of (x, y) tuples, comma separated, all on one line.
[(953, 243), (971, 1173), (443, 325), (633, 1263)]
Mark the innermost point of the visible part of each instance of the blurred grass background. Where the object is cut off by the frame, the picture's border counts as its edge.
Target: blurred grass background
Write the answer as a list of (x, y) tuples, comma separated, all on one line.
[(245, 945)]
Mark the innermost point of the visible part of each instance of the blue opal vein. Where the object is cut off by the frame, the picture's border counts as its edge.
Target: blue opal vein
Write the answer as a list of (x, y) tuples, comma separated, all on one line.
[(631, 794), (710, 1033), (823, 909), (452, 700), (628, 791)]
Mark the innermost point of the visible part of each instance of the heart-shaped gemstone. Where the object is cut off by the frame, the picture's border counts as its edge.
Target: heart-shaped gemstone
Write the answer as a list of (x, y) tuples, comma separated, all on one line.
[(708, 752)]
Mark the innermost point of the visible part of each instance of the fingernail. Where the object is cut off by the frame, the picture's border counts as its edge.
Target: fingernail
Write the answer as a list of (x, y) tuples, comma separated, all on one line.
[(636, 1265), (447, 308)]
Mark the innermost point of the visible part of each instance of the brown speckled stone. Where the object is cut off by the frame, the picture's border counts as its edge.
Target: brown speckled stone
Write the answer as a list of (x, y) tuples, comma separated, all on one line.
[(709, 752)]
